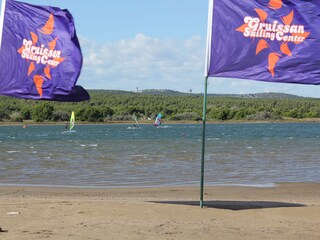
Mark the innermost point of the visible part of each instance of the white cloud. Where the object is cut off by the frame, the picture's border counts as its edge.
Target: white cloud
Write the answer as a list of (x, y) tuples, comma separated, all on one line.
[(143, 62), (147, 62)]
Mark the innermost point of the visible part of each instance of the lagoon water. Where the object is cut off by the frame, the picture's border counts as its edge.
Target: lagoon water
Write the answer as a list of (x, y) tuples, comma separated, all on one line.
[(118, 156)]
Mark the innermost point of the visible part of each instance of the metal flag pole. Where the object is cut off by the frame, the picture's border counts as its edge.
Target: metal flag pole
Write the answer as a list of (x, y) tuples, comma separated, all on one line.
[(204, 117), (3, 6)]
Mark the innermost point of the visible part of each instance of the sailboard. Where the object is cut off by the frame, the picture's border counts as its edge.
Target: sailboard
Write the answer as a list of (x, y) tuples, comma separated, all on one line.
[(158, 122), (72, 121), (69, 129), (136, 123)]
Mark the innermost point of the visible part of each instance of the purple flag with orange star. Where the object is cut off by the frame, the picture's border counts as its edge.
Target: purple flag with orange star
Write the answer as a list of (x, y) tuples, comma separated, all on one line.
[(265, 40), (40, 56)]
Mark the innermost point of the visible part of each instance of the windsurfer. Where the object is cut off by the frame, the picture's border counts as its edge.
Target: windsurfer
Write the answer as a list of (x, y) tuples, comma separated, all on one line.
[(157, 121)]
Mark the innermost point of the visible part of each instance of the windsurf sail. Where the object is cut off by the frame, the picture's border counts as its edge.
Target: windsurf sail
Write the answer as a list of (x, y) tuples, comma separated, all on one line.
[(134, 117), (157, 122), (72, 121)]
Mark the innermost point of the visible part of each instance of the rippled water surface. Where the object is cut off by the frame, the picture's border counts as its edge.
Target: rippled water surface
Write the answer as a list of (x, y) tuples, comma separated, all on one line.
[(119, 156)]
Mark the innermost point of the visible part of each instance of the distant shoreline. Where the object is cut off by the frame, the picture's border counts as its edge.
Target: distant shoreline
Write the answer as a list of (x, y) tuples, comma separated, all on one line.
[(289, 120)]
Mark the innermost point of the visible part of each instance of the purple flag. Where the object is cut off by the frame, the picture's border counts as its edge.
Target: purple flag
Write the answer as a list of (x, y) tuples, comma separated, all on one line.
[(40, 56), (265, 40)]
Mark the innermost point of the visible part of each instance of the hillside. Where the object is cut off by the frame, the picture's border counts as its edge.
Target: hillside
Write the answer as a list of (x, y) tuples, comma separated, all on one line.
[(114, 106), (167, 92)]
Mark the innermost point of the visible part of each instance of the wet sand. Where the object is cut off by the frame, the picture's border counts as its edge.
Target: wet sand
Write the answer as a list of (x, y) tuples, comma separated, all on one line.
[(288, 211)]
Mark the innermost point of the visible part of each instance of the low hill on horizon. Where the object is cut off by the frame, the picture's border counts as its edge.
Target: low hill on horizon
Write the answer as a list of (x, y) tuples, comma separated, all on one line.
[(168, 92), (116, 106)]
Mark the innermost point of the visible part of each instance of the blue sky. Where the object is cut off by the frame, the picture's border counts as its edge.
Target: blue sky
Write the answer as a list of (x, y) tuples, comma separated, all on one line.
[(152, 44)]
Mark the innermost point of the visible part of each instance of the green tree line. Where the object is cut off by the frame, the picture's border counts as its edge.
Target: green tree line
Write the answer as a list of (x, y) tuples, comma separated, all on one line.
[(106, 106)]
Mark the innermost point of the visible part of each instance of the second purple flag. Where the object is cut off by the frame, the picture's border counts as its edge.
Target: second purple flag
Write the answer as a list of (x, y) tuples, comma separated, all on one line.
[(265, 40)]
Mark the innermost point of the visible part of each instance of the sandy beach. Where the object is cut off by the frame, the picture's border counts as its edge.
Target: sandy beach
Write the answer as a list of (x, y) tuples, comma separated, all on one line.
[(286, 211)]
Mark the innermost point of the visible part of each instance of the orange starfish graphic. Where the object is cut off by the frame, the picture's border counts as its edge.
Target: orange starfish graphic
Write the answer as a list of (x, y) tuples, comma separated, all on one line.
[(47, 56), (275, 31)]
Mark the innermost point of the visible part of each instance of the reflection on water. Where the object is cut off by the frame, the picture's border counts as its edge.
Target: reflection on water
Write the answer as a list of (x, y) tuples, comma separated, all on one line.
[(117, 156)]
